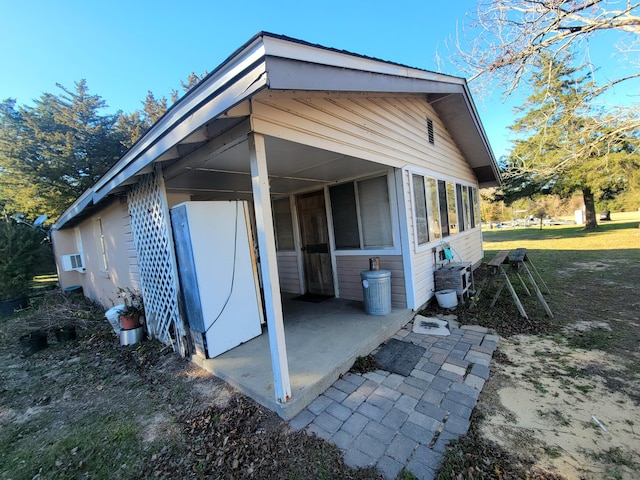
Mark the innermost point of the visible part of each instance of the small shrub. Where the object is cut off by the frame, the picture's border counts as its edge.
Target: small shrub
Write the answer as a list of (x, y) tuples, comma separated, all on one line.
[(20, 253), (364, 365)]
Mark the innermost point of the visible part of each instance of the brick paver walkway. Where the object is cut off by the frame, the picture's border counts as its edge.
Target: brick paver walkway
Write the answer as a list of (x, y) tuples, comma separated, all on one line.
[(390, 421)]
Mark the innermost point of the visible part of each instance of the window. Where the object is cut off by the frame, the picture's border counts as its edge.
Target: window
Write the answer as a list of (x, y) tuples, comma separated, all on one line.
[(432, 209), (420, 202), (345, 216), (460, 204), (103, 247), (283, 224), (362, 214), (451, 205), (444, 211), (466, 207), (442, 208), (475, 206), (427, 215)]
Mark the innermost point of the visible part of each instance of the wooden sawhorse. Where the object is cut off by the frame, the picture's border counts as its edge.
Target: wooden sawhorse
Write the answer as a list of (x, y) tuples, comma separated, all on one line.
[(517, 263)]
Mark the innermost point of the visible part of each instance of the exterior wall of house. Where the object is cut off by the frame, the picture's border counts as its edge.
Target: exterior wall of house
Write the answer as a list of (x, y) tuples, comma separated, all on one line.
[(350, 284), (289, 272), (391, 130), (466, 246), (99, 283), (387, 129)]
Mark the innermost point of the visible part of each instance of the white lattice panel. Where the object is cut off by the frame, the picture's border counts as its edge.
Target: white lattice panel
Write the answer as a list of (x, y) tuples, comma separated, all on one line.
[(151, 226)]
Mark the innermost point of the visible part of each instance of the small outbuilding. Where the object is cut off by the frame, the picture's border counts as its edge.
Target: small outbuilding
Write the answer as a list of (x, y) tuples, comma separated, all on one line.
[(280, 175)]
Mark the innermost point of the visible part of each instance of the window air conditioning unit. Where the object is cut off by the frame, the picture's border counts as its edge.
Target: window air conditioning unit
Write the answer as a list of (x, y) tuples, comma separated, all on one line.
[(73, 261)]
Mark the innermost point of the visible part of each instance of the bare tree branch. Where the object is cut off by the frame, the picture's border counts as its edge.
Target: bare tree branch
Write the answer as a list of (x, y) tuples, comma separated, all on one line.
[(508, 35)]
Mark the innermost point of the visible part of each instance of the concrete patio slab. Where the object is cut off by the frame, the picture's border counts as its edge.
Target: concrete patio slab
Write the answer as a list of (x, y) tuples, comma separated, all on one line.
[(323, 340)]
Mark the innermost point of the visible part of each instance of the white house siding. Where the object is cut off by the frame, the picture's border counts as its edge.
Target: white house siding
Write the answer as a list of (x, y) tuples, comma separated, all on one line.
[(467, 245), (387, 129), (102, 286), (288, 272), (348, 272)]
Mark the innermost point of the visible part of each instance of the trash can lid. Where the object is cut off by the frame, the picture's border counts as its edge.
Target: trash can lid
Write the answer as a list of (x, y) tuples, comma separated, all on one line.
[(368, 274)]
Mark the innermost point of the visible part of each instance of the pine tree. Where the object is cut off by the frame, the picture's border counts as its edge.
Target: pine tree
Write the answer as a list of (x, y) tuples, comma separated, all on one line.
[(565, 146), (52, 152)]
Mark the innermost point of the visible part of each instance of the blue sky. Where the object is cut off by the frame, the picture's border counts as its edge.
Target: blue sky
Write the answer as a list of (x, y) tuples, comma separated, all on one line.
[(125, 48)]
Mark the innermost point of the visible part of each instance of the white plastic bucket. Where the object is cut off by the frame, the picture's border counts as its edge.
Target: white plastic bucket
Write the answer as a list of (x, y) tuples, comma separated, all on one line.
[(113, 315), (447, 298)]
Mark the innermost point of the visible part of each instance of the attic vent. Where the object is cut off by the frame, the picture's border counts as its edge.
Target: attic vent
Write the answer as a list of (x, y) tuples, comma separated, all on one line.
[(432, 139), (73, 261)]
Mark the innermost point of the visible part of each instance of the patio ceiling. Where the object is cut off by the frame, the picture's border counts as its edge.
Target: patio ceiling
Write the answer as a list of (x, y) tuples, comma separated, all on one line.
[(293, 168)]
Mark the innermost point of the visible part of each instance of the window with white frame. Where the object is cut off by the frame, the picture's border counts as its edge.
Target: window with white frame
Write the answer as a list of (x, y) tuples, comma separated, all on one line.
[(442, 208), (361, 213), (427, 215), (102, 244), (451, 206), (475, 206), (420, 207)]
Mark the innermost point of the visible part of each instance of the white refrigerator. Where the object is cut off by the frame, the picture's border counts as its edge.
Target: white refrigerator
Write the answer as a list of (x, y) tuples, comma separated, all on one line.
[(218, 276)]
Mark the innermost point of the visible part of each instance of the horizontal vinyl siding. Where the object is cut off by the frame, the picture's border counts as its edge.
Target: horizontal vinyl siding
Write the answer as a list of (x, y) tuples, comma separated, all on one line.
[(467, 247), (132, 255), (289, 273), (348, 271), (390, 130)]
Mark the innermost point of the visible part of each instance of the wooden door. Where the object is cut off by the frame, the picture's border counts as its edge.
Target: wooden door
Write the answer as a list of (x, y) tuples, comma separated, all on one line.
[(315, 244)]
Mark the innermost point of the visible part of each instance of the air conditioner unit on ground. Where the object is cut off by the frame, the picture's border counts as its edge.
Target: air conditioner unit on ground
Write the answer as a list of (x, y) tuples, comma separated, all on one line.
[(73, 261)]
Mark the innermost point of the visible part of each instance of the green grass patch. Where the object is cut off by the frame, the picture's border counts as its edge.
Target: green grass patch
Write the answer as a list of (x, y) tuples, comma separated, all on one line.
[(596, 339), (96, 446), (615, 456)]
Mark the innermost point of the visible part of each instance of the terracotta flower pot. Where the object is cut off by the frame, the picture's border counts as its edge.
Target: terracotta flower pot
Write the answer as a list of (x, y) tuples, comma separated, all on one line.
[(130, 321)]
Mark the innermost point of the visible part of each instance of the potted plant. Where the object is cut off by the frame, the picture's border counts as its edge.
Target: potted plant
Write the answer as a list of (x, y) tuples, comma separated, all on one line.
[(132, 310), (20, 248)]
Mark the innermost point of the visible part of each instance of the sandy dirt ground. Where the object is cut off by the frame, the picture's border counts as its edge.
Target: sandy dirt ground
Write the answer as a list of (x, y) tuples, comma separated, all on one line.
[(570, 410)]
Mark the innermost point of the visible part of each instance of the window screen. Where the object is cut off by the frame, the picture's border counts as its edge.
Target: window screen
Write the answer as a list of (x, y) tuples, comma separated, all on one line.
[(375, 212), (420, 202), (365, 223), (444, 211), (451, 205), (345, 218), (433, 214), (460, 204), (467, 207)]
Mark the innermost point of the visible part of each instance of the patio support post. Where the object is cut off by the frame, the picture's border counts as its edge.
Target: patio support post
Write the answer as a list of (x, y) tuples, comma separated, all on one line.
[(269, 267)]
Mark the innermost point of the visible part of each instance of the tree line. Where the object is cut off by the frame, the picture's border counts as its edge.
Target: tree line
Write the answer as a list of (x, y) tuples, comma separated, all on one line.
[(53, 150), (565, 140)]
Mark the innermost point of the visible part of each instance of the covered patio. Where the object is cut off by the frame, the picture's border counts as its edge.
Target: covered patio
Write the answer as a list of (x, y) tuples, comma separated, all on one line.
[(323, 340)]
